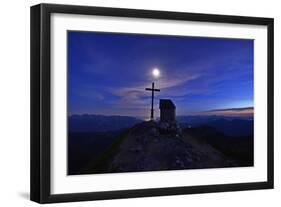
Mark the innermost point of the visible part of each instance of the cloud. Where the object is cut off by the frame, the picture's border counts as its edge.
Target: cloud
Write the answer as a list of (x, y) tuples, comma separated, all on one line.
[(247, 111)]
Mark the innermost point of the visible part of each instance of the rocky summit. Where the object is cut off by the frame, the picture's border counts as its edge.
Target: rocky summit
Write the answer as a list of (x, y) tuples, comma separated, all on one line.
[(150, 146)]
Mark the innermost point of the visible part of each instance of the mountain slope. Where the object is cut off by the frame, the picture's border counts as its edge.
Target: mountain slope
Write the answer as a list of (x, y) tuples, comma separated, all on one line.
[(145, 147), (239, 147)]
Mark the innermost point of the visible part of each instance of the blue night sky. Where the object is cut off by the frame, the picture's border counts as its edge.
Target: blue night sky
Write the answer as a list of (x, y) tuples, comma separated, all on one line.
[(108, 72)]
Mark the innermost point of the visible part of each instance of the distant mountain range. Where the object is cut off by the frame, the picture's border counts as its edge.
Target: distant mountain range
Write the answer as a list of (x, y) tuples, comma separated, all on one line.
[(100, 123), (231, 126), (196, 120)]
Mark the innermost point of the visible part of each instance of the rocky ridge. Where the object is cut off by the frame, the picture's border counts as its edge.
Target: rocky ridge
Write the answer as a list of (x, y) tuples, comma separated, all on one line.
[(151, 145)]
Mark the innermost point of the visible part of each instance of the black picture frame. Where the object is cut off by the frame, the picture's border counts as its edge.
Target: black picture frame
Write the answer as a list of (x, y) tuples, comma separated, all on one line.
[(41, 95)]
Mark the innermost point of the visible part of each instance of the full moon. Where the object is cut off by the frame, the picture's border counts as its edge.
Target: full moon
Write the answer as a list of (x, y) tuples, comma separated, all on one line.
[(156, 72)]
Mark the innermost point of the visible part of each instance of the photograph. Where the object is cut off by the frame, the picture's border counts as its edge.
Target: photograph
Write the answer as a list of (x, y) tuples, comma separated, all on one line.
[(155, 102), (132, 103)]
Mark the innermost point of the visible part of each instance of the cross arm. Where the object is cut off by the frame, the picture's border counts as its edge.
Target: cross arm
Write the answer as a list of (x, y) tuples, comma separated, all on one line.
[(150, 89)]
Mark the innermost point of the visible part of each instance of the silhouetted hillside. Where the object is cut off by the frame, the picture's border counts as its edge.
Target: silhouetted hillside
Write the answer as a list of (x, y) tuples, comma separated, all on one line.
[(84, 147), (239, 148)]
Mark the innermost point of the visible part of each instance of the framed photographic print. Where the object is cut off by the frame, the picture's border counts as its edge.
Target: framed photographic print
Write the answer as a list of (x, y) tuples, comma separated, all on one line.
[(132, 103)]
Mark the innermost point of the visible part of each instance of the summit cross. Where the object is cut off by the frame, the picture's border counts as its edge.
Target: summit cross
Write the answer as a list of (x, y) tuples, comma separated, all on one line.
[(152, 89)]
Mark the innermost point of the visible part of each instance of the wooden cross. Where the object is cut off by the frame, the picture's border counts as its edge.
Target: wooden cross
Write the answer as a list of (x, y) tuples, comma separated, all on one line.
[(152, 89)]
